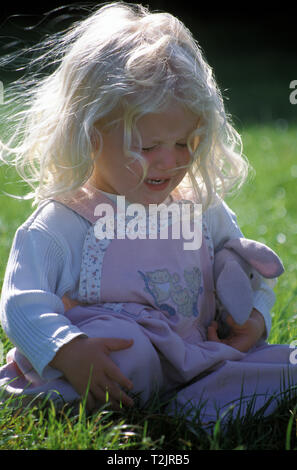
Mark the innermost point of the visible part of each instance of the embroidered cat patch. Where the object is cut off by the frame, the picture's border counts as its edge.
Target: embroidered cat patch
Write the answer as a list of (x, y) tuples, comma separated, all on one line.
[(174, 295)]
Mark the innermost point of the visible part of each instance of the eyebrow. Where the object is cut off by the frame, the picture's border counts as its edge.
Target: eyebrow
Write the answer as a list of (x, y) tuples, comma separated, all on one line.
[(156, 140), (185, 137)]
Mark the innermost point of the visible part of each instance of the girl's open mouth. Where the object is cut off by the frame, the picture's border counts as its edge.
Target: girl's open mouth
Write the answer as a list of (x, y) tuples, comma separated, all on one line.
[(156, 184)]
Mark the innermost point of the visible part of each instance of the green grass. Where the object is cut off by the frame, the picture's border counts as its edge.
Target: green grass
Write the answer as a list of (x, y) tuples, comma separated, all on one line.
[(266, 210)]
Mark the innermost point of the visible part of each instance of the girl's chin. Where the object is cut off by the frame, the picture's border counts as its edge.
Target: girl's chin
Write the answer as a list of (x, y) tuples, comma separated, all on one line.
[(147, 199)]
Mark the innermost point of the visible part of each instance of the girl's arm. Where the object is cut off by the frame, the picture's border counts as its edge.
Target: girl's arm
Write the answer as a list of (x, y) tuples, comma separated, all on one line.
[(44, 263), (32, 313)]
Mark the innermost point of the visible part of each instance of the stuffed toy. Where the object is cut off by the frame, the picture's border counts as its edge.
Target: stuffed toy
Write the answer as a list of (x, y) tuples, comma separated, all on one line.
[(238, 270)]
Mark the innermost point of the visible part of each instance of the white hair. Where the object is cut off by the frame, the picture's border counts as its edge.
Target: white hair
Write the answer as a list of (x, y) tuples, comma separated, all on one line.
[(122, 57)]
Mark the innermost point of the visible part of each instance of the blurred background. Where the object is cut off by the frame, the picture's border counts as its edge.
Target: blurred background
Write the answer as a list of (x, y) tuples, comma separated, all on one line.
[(253, 52), (252, 48)]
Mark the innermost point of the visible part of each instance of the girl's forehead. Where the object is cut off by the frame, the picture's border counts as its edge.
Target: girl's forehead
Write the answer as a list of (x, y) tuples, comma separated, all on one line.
[(175, 120)]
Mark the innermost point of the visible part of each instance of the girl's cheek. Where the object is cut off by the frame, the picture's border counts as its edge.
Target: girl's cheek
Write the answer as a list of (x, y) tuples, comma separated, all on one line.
[(136, 168), (186, 157)]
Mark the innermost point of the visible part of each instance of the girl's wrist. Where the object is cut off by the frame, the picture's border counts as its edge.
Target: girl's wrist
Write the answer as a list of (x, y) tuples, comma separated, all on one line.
[(65, 353), (258, 317)]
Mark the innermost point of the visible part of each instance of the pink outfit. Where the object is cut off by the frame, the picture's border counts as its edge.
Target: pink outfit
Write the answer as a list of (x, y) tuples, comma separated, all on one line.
[(162, 296)]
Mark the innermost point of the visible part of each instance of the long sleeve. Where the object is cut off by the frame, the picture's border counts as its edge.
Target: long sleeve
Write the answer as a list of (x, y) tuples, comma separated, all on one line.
[(222, 225), (40, 269)]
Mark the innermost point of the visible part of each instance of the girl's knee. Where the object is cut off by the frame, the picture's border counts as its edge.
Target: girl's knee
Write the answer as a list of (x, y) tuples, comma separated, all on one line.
[(141, 364)]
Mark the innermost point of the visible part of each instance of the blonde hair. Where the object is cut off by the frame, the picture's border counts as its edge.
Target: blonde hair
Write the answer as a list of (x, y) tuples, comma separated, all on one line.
[(121, 57)]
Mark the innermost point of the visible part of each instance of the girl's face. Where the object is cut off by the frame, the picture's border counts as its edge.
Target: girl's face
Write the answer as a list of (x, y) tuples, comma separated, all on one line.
[(164, 147)]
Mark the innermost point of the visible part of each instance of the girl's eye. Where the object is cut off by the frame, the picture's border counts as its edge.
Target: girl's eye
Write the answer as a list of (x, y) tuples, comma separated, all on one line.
[(147, 149)]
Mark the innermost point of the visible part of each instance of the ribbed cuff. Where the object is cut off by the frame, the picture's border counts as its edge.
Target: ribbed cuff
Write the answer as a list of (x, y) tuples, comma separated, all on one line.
[(264, 300)]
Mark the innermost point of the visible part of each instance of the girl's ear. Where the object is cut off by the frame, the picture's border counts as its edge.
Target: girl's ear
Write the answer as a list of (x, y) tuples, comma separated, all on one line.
[(258, 255), (95, 140)]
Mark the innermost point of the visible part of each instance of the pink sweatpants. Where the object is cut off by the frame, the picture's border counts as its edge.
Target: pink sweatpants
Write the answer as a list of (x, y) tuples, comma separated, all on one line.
[(191, 370)]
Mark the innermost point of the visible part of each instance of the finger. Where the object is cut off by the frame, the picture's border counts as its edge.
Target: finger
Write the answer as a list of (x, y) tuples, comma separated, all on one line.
[(239, 343), (212, 332), (68, 303), (119, 397), (115, 374), (111, 393), (90, 401), (101, 397), (230, 321), (116, 344), (116, 381)]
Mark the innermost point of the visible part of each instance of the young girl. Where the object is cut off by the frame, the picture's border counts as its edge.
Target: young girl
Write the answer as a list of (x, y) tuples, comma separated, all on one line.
[(132, 110)]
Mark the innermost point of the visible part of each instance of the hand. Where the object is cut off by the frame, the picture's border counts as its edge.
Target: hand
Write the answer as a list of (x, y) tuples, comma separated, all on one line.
[(241, 337), (69, 303), (85, 363)]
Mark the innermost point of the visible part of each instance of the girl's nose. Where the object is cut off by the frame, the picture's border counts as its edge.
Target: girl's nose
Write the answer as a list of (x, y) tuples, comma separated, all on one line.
[(166, 159)]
